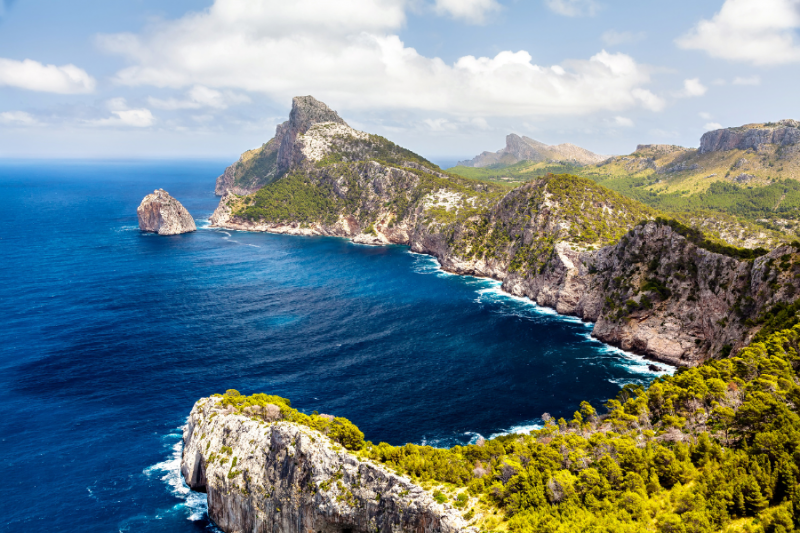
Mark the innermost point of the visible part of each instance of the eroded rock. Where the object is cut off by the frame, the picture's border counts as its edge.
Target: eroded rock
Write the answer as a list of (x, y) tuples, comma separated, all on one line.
[(264, 477), (161, 213)]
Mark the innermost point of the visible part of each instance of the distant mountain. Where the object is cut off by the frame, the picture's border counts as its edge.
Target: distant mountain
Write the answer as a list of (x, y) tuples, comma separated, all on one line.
[(750, 171), (526, 149)]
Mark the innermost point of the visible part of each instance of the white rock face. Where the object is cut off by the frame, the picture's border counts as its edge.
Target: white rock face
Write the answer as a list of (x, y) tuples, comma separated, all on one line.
[(282, 477), (161, 213), (317, 141)]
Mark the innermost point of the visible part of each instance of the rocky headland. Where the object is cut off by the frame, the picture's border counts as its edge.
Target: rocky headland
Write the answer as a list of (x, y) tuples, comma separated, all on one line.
[(651, 286), (264, 475), (161, 213)]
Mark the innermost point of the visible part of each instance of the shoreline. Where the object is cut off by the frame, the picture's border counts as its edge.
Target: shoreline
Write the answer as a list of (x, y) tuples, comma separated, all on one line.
[(309, 232)]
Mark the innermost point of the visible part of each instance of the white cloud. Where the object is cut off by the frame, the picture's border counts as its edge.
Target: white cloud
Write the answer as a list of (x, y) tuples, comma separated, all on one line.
[(761, 32), (693, 87), (705, 115), (34, 76), (123, 116), (353, 61), (439, 124), (713, 126), (199, 97), (473, 11), (752, 80), (573, 8), (443, 124), (649, 100), (17, 118), (615, 38), (623, 122)]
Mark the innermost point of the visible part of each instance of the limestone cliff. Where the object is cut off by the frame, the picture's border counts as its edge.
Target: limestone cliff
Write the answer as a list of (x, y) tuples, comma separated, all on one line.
[(657, 294), (266, 477), (526, 149), (161, 213), (261, 166), (751, 137), (565, 242)]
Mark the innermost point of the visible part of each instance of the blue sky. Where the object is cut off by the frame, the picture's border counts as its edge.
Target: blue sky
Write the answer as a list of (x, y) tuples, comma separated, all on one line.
[(445, 78)]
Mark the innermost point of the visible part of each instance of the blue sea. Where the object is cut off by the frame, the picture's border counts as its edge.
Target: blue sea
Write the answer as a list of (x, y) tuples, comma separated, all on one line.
[(108, 337)]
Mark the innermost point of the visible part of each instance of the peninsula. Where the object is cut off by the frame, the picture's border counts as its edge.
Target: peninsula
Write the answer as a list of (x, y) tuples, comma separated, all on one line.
[(651, 283)]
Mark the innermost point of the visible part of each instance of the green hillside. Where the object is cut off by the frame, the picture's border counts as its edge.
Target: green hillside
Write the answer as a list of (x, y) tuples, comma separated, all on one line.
[(713, 448), (736, 191)]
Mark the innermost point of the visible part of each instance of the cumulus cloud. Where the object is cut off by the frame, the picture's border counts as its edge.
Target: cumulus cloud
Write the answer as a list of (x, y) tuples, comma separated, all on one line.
[(752, 80), (573, 8), (199, 97), (623, 122), (122, 115), (34, 76), (17, 118), (355, 61), (761, 32), (693, 87), (713, 126), (473, 11), (615, 38)]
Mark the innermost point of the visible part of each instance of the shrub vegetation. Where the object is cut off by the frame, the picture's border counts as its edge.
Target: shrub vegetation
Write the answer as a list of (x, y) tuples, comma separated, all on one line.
[(713, 448)]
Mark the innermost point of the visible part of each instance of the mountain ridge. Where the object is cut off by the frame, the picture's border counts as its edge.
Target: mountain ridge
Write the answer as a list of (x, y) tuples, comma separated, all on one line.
[(563, 241), (526, 149)]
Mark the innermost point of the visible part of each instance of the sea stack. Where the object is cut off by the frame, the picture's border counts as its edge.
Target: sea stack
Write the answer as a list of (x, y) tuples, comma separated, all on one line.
[(161, 213)]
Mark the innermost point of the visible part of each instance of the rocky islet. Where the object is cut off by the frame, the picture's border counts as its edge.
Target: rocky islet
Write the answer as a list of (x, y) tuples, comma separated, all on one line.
[(161, 213)]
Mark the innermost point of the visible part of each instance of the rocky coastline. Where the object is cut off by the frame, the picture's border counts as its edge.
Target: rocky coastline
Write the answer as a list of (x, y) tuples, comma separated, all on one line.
[(561, 241), (266, 475), (576, 283)]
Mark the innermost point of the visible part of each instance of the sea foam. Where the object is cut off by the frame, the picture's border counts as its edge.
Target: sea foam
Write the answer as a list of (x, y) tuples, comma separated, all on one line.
[(193, 504)]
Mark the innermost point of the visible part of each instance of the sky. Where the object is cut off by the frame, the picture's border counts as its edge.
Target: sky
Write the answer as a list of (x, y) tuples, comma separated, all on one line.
[(445, 78)]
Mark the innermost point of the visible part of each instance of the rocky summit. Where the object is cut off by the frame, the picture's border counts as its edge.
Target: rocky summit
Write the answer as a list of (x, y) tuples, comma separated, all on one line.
[(526, 149), (261, 166), (161, 213)]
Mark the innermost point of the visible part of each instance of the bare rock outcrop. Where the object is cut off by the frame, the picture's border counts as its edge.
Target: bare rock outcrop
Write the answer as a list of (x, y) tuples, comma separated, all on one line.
[(751, 137), (161, 213), (659, 295), (261, 166), (526, 149), (266, 477)]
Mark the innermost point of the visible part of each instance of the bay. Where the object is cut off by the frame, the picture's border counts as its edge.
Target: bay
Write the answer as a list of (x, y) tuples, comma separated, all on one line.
[(109, 336)]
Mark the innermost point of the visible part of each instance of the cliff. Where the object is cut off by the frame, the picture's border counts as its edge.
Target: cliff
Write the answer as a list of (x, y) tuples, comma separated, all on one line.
[(748, 173), (755, 137), (261, 166), (263, 475), (161, 213), (656, 288), (526, 149)]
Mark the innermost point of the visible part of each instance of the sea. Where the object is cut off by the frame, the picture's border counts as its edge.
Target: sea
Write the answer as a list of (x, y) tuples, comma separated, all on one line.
[(109, 335)]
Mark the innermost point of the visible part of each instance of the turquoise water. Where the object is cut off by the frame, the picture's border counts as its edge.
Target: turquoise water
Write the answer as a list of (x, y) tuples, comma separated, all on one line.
[(109, 336)]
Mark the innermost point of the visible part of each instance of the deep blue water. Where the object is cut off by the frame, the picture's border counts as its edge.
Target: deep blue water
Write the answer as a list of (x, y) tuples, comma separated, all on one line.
[(108, 336)]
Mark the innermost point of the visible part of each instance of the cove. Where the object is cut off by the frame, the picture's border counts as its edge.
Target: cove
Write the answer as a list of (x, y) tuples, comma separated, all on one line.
[(109, 336)]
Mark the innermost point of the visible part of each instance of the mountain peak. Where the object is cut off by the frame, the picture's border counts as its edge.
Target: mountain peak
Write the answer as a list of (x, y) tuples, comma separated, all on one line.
[(307, 111), (526, 149)]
